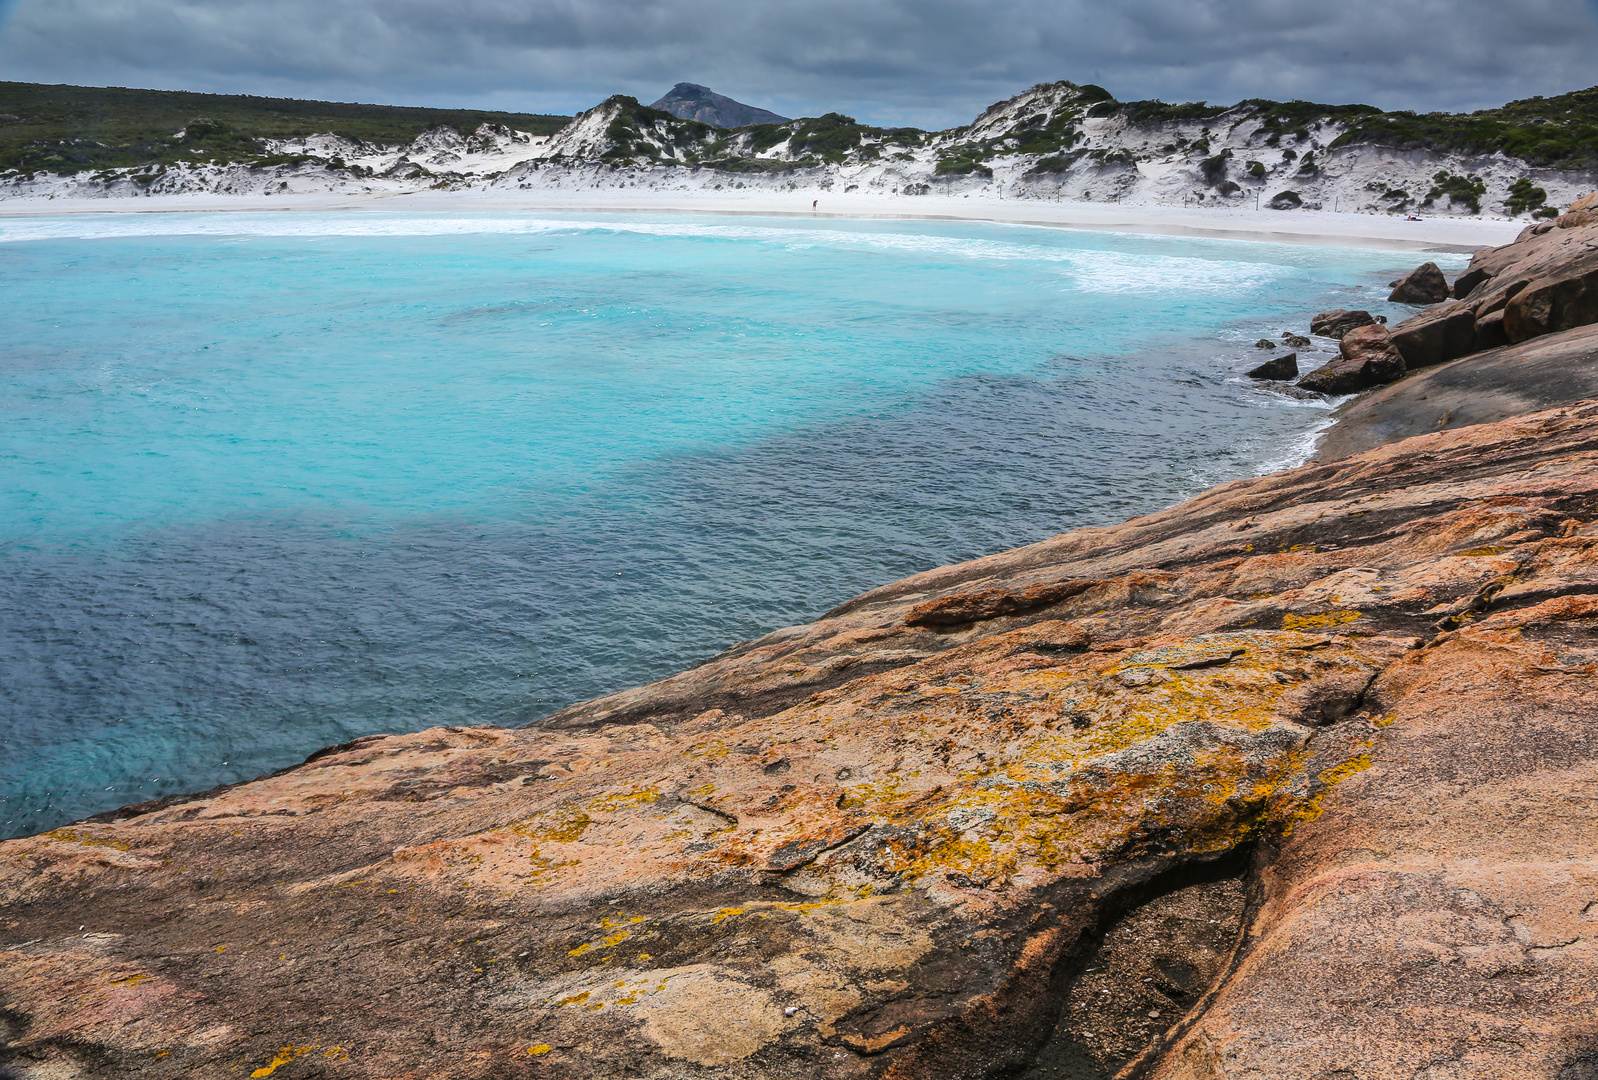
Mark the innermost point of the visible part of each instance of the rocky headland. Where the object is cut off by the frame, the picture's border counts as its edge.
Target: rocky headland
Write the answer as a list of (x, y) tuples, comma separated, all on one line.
[(1294, 779)]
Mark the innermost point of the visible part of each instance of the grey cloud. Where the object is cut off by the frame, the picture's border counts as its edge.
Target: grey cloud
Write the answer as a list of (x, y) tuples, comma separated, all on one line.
[(931, 63)]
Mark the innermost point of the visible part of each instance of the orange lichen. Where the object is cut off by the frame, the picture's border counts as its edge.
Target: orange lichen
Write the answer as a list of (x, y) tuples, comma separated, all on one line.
[(79, 836), (1315, 622), (284, 1056)]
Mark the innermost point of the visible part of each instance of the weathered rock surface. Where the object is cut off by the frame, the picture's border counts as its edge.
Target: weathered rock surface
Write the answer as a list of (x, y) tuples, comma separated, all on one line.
[(1295, 341), (1339, 321), (1435, 335), (1423, 285), (908, 840), (1280, 368), (1497, 275), (1557, 369), (1366, 358)]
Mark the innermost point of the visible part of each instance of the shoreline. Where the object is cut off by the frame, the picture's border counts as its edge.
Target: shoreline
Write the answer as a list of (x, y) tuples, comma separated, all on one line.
[(1304, 227)]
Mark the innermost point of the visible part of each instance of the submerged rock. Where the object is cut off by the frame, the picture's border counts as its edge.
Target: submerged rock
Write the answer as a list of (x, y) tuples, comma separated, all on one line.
[(1423, 285), (1295, 341), (921, 836), (1280, 368)]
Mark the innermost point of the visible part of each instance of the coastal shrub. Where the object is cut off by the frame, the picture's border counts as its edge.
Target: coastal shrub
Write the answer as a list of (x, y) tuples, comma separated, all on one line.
[(1110, 158), (962, 165), (1547, 212), (1461, 190), (1214, 168), (1256, 169), (1307, 167), (1160, 112), (202, 126), (1523, 196), (1092, 93), (1558, 131), (1230, 187), (1285, 200), (1056, 164)]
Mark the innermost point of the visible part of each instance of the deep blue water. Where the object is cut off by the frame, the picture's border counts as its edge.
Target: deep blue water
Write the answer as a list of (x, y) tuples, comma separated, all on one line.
[(273, 481)]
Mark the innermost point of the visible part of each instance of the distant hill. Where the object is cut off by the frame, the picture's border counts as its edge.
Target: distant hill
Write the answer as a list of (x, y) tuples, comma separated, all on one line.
[(690, 101), (68, 129)]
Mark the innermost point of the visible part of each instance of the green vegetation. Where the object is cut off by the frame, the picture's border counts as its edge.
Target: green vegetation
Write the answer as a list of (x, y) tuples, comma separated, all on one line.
[(1462, 190), (1523, 196), (1557, 132), (963, 162), (72, 129), (1160, 112), (829, 138), (629, 142), (1295, 118)]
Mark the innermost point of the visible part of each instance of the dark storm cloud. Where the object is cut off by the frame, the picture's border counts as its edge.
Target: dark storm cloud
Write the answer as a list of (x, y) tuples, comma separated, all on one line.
[(931, 62)]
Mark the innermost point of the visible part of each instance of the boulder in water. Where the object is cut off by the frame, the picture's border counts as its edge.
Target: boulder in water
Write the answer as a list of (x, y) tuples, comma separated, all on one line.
[(1279, 368), (1338, 321), (1366, 358), (1424, 285)]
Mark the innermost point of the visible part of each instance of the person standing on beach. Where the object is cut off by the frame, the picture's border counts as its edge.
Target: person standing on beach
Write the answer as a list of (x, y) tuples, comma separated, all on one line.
[(814, 203)]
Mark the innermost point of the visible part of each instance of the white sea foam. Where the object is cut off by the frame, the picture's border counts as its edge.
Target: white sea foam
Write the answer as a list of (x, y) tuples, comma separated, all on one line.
[(1086, 270)]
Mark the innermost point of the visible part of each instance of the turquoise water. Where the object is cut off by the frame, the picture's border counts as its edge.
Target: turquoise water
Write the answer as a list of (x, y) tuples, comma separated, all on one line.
[(272, 481)]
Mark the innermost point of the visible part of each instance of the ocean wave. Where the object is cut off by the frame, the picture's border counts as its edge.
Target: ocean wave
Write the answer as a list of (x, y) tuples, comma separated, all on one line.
[(1084, 269)]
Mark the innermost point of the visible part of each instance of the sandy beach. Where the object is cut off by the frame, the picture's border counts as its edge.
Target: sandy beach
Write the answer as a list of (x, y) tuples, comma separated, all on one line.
[(1320, 227)]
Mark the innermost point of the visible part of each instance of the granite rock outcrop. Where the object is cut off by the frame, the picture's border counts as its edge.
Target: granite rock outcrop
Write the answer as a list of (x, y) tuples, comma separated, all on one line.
[(1279, 368), (1339, 321), (1423, 285), (1366, 358), (1345, 711)]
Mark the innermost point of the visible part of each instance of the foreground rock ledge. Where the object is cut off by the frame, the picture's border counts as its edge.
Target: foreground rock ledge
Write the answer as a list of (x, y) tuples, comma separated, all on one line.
[(889, 842)]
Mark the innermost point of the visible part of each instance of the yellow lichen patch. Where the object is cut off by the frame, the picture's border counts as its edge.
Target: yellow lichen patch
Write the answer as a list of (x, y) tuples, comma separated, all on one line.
[(541, 1048), (563, 824), (584, 947), (1312, 808), (1315, 622), (617, 938), (131, 981), (79, 836), (1475, 553), (611, 803), (281, 1058), (575, 999), (725, 913)]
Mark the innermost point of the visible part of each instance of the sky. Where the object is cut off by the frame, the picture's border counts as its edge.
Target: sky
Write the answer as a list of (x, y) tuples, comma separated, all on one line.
[(927, 63)]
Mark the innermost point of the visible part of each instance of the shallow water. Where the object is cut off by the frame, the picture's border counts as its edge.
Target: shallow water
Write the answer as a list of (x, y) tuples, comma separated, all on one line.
[(273, 481)]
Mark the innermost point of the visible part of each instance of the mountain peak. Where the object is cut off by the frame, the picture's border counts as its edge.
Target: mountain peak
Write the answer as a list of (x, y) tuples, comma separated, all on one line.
[(690, 101)]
